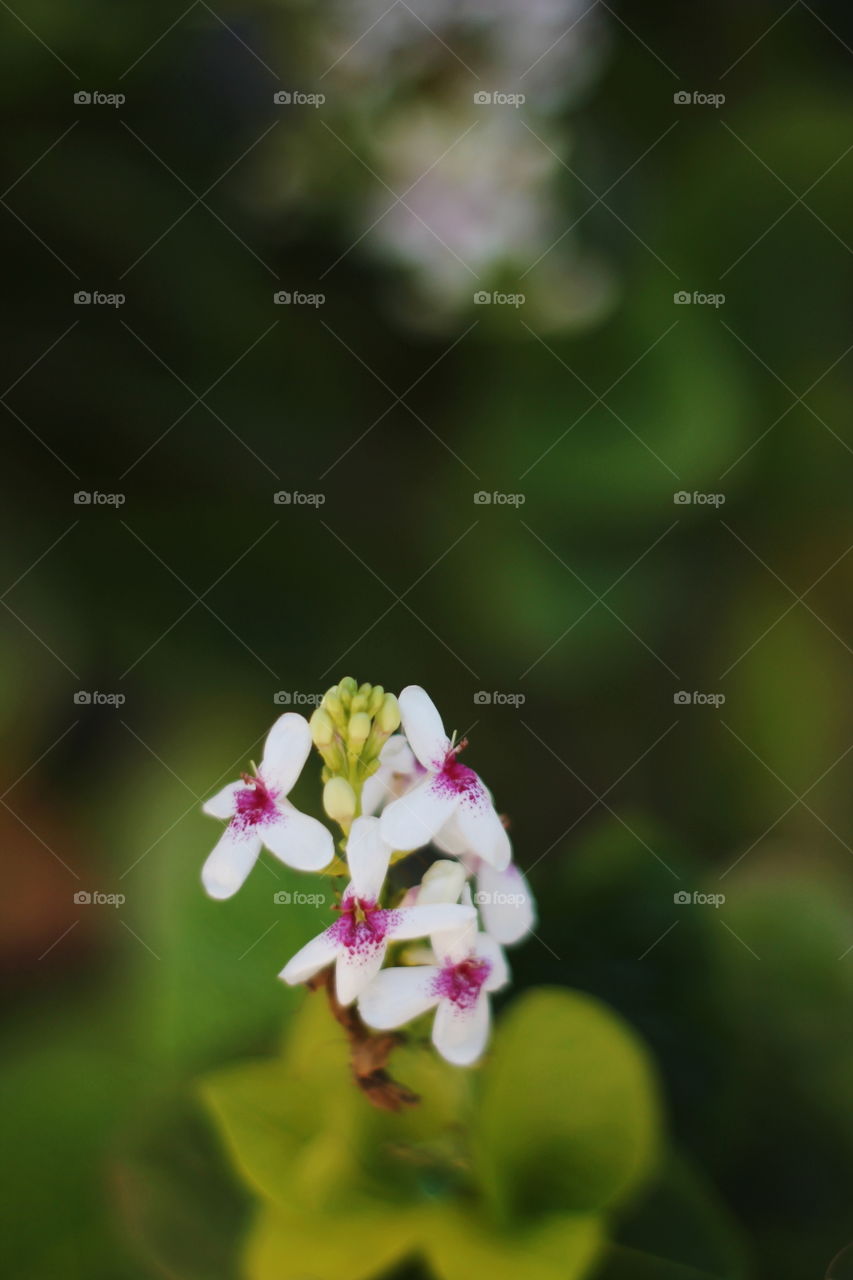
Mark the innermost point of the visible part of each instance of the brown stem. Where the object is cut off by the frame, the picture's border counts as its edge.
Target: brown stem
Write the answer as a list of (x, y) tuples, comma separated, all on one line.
[(369, 1053)]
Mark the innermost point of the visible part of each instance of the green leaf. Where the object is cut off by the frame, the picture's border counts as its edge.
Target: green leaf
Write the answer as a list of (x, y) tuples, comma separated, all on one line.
[(461, 1246), (289, 1122), (569, 1115), (291, 1245)]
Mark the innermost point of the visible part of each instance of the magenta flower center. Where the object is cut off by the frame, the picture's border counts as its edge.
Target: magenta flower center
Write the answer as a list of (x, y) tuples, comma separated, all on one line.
[(255, 804), (362, 925), (461, 983), (455, 778)]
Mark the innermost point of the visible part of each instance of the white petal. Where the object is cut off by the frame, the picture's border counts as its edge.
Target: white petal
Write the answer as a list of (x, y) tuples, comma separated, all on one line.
[(434, 919), (481, 828), (422, 726), (355, 971), (450, 839), (224, 803), (368, 856), (285, 751), (460, 1035), (487, 949), (297, 840), (396, 996), (313, 957), (397, 773), (413, 820), (230, 862), (455, 944), (505, 902)]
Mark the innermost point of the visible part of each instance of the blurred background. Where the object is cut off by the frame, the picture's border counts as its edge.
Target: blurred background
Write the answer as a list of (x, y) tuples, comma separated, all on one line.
[(499, 347)]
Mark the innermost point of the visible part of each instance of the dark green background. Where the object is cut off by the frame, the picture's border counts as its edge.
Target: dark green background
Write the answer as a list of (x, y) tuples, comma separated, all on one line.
[(215, 597)]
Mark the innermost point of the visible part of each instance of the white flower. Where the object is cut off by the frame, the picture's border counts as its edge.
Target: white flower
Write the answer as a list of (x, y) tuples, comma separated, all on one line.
[(358, 940), (470, 966), (260, 814), (398, 772), (504, 897), (505, 901), (450, 791)]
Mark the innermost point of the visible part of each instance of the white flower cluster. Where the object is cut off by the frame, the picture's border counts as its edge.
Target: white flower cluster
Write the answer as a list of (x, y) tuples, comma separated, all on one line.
[(392, 795)]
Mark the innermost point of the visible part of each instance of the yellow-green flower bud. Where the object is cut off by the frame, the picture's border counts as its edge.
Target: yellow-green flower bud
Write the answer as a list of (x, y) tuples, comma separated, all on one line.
[(339, 801), (359, 728), (442, 882), (388, 715), (335, 708), (348, 685), (376, 697), (322, 728)]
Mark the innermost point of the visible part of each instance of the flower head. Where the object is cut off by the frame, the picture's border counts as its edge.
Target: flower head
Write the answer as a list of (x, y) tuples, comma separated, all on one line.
[(470, 966), (450, 792), (260, 814), (357, 941)]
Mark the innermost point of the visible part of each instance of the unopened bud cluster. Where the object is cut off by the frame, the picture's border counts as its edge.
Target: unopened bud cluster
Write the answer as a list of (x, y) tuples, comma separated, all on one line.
[(349, 728)]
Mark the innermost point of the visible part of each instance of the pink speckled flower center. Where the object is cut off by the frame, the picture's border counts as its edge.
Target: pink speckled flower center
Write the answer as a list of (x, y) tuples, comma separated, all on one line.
[(255, 804), (461, 983), (454, 778), (362, 925)]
